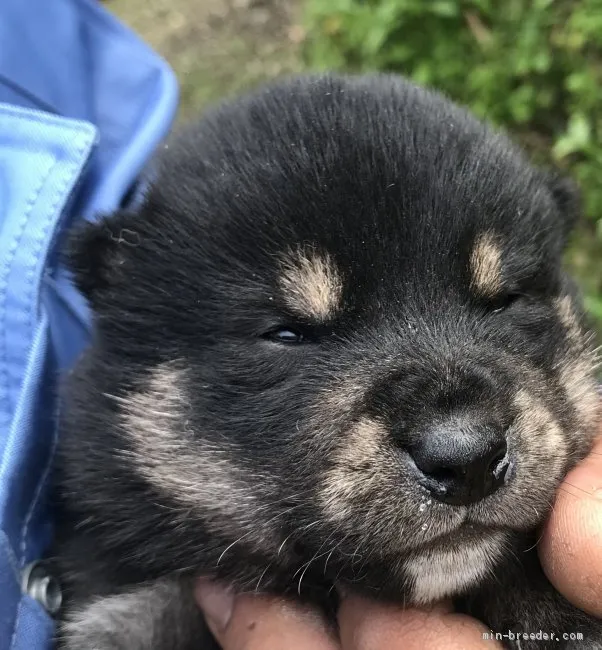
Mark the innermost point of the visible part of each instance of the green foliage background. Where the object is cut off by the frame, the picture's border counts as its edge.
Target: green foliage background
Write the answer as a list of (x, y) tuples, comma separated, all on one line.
[(533, 67)]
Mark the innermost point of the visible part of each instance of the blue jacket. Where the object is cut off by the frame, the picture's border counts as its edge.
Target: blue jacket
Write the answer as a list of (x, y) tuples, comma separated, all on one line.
[(83, 103)]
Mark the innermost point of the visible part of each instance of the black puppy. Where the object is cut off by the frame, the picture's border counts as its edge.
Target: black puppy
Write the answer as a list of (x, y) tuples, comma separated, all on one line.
[(335, 344)]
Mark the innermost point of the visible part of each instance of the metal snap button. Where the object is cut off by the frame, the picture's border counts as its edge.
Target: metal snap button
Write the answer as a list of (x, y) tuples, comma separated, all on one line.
[(38, 583)]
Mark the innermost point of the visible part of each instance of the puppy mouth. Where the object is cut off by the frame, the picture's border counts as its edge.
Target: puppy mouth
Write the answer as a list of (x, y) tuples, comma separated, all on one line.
[(446, 524), (467, 532)]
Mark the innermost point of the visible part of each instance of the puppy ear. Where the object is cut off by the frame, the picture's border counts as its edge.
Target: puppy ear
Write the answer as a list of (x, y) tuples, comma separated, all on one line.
[(95, 251), (567, 198)]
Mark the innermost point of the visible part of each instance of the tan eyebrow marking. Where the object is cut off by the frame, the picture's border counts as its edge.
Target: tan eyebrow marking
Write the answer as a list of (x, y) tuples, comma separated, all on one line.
[(486, 265), (311, 284)]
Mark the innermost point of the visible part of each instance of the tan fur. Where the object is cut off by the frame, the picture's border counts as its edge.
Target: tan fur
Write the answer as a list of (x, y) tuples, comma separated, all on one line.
[(311, 285), (440, 572), (541, 436), (360, 451), (566, 313), (541, 449), (578, 380), (577, 372), (486, 266), (179, 463), (338, 400)]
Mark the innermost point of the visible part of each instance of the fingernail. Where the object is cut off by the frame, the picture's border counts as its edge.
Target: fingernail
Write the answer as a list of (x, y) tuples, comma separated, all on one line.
[(217, 603)]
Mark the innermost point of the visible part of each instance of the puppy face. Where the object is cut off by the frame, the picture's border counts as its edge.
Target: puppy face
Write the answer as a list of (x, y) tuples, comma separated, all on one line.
[(340, 346)]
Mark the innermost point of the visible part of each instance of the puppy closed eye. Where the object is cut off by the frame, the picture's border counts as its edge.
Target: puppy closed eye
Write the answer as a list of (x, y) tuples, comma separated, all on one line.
[(286, 336), (503, 301)]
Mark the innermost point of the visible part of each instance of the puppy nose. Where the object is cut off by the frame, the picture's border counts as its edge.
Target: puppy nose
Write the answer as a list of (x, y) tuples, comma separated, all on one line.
[(461, 462)]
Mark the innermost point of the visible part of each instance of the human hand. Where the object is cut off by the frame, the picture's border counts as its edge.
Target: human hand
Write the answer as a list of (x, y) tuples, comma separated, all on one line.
[(254, 622)]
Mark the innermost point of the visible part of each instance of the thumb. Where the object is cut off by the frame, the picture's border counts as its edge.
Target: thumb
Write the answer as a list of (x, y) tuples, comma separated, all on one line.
[(571, 546)]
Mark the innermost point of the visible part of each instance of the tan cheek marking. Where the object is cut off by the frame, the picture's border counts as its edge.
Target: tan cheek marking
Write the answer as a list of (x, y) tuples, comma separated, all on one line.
[(486, 266), (354, 470), (577, 375), (178, 463), (541, 434), (340, 399), (578, 380), (541, 452), (311, 285), (566, 314)]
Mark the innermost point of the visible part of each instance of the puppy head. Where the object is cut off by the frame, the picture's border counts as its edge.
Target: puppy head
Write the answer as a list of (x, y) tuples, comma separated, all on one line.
[(337, 337)]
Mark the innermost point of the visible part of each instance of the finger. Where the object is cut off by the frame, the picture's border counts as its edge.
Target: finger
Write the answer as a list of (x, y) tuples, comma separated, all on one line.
[(369, 626), (254, 622), (571, 547)]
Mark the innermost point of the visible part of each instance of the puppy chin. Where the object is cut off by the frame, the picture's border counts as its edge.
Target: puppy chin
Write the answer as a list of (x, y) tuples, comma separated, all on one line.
[(453, 564)]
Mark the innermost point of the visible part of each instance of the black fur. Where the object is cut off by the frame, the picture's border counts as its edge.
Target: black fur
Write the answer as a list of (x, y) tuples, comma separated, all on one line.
[(393, 185)]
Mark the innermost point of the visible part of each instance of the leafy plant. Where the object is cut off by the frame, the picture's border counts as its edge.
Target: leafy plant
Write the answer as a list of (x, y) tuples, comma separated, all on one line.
[(533, 67)]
